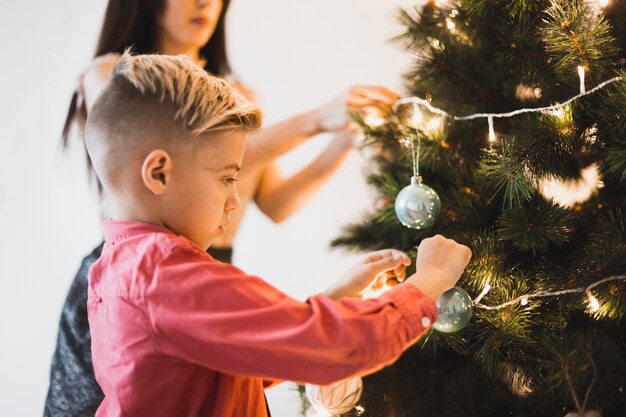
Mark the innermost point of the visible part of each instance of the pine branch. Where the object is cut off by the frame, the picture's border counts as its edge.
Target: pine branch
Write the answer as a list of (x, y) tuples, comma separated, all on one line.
[(536, 227), (574, 35), (505, 175)]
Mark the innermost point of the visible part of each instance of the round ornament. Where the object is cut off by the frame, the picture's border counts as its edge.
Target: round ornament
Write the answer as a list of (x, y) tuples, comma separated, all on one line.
[(454, 309), (589, 413), (337, 398), (417, 205)]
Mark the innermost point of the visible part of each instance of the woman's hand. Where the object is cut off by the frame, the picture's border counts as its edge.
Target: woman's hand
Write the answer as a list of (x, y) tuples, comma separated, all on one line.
[(373, 270), (361, 99)]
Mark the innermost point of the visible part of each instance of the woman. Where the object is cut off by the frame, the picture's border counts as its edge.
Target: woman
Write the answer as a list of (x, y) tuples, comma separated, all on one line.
[(196, 28)]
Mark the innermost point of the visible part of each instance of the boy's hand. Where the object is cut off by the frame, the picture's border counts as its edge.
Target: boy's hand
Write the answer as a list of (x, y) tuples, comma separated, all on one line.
[(439, 265), (372, 270)]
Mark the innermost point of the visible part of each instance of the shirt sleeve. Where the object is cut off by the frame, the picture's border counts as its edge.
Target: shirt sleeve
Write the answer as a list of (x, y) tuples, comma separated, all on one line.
[(213, 314)]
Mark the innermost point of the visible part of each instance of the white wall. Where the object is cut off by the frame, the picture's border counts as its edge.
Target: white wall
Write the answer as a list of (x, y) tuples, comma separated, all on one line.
[(295, 54)]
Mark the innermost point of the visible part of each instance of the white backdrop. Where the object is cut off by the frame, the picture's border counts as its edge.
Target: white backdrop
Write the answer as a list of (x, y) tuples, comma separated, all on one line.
[(295, 55)]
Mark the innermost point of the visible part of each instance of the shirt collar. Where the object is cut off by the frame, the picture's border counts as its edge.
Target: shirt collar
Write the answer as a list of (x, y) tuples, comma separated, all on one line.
[(117, 230)]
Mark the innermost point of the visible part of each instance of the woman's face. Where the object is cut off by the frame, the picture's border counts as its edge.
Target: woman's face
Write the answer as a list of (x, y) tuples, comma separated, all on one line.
[(189, 23)]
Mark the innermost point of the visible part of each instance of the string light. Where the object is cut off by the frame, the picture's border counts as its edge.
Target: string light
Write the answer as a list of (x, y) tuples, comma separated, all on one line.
[(581, 75), (492, 133), (556, 110), (594, 304), (416, 116), (558, 113), (483, 293), (434, 124), (417, 101), (373, 119), (603, 3)]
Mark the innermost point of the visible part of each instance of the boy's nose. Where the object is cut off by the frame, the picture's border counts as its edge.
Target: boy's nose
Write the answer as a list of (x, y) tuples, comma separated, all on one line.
[(233, 202)]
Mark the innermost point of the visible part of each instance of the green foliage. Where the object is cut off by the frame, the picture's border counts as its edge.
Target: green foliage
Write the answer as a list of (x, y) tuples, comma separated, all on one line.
[(503, 173), (536, 226), (546, 145), (604, 255), (614, 126), (574, 35), (488, 261), (477, 56), (579, 359)]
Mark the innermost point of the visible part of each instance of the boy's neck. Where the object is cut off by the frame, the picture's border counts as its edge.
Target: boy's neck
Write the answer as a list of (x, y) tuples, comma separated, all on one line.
[(124, 212)]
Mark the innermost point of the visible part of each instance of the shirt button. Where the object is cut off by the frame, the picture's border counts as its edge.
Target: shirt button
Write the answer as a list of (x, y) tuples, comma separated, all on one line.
[(425, 321)]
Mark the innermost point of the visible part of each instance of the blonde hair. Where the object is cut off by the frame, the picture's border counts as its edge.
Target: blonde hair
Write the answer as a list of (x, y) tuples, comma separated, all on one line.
[(203, 103), (159, 101)]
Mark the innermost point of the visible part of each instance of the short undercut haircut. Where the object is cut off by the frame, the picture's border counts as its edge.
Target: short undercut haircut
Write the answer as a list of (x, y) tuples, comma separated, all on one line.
[(160, 100)]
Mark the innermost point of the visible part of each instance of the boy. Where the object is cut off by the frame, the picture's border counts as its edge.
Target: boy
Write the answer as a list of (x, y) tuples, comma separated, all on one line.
[(176, 333)]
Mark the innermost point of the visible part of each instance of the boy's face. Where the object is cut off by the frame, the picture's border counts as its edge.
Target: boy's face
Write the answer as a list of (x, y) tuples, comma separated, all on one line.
[(203, 190)]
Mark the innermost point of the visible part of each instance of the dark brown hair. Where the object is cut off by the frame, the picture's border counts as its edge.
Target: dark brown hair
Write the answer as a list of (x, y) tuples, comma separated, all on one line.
[(133, 24)]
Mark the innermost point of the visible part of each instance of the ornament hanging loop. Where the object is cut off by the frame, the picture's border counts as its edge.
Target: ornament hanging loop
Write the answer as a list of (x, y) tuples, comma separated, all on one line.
[(415, 156)]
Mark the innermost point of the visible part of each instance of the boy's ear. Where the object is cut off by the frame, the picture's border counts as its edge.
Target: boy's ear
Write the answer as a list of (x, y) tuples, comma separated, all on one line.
[(156, 171)]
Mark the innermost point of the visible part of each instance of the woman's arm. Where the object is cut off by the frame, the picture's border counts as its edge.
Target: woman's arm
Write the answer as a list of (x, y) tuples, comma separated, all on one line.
[(277, 139), (272, 141), (279, 197)]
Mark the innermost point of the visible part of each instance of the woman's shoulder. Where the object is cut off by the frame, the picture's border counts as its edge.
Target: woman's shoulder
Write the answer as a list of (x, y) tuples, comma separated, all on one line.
[(243, 89), (102, 66), (93, 79)]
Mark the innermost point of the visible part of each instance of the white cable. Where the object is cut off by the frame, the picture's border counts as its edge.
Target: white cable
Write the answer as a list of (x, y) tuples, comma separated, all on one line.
[(489, 116), (541, 294)]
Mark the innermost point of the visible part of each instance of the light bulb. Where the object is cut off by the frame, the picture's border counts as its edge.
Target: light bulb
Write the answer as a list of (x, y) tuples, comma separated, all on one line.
[(483, 293), (434, 123), (581, 75), (373, 120), (492, 133), (594, 305), (558, 112), (524, 301), (416, 116)]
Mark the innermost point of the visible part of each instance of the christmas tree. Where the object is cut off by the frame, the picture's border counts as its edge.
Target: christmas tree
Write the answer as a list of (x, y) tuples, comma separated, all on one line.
[(547, 335)]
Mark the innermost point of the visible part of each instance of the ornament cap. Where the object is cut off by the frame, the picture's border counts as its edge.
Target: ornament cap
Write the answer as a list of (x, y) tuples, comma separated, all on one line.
[(416, 179)]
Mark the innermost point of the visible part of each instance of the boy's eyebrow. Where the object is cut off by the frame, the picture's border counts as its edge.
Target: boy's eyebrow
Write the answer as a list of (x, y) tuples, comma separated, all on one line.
[(236, 167)]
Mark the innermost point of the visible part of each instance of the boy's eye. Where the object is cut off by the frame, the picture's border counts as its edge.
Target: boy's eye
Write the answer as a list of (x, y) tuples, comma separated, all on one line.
[(230, 180)]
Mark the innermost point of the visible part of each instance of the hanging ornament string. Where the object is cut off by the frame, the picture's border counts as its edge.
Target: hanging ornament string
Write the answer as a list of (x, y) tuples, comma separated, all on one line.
[(415, 154), (417, 205), (580, 406), (594, 305)]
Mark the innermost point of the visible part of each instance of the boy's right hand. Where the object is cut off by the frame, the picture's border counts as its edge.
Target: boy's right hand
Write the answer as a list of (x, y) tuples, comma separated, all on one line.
[(439, 265)]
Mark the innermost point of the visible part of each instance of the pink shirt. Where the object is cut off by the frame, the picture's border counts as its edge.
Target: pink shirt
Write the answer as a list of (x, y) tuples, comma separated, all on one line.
[(177, 333)]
